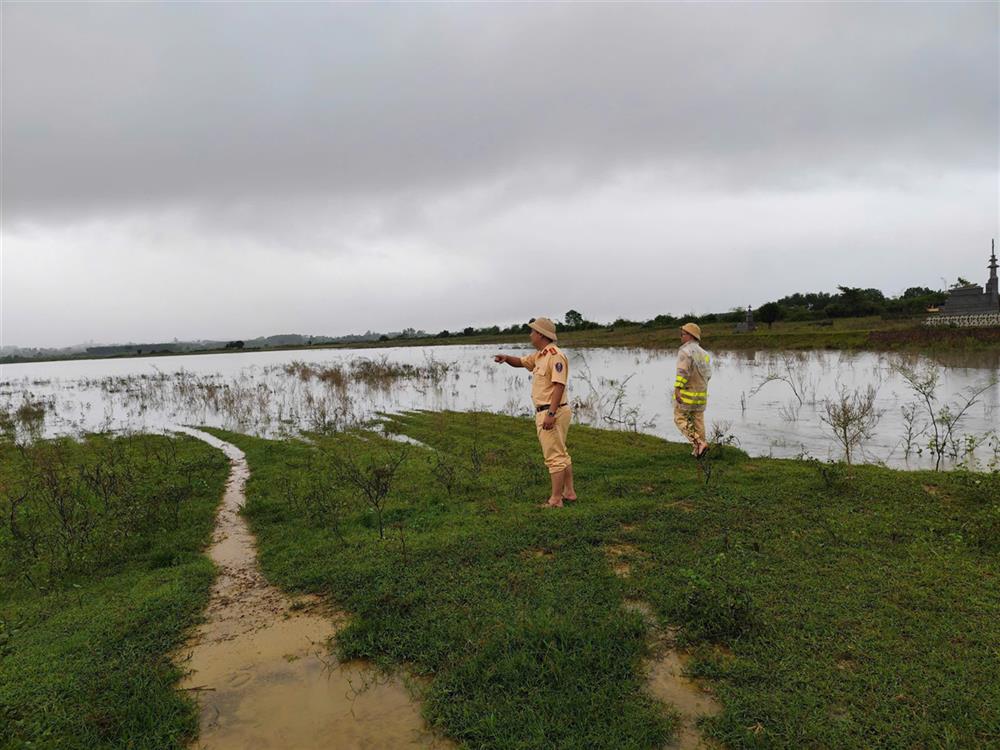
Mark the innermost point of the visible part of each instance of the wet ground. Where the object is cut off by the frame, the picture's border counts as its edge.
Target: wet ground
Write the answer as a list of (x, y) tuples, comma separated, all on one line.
[(261, 665), (668, 682), (264, 675), (665, 669)]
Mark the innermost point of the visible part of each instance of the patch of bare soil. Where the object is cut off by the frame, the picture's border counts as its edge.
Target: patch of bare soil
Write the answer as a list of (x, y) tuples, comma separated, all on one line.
[(261, 666), (937, 491), (667, 682), (685, 505), (620, 556), (538, 553)]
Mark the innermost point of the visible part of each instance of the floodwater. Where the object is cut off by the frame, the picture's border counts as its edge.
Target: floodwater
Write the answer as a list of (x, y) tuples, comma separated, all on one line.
[(768, 403), (261, 666)]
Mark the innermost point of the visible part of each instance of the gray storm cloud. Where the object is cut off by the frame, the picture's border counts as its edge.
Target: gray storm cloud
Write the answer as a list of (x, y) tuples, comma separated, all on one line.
[(466, 146), (108, 106)]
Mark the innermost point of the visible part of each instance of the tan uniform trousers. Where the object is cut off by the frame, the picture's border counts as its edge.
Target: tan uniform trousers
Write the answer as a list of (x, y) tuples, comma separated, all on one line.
[(691, 424), (554, 441)]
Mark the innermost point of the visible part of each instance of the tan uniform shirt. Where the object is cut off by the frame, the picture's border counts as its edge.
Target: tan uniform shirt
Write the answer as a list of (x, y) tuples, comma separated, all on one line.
[(694, 387), (548, 366)]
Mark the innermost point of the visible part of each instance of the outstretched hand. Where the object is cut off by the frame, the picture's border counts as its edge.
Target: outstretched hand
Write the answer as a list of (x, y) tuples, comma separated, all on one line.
[(500, 358)]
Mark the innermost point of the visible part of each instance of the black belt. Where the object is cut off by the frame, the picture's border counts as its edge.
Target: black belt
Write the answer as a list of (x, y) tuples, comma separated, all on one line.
[(545, 407)]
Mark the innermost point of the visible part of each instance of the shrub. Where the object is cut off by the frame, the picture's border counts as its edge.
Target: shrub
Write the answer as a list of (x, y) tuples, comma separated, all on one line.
[(715, 606)]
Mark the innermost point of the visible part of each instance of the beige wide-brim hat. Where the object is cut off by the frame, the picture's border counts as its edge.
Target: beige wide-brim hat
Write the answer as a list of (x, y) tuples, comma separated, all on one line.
[(693, 328), (545, 327)]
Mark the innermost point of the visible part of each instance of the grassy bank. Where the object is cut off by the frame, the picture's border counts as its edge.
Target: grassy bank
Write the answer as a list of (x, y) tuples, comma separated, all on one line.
[(825, 606), (101, 572), (858, 334), (848, 334)]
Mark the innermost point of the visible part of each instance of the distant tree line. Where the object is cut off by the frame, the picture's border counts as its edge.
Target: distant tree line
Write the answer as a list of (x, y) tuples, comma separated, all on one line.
[(850, 302), (846, 302)]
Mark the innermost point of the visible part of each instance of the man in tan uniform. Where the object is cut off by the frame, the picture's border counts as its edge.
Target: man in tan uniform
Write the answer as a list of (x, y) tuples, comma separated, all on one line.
[(549, 376), (691, 388)]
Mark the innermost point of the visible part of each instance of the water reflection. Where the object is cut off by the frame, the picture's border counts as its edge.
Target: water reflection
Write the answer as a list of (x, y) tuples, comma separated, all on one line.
[(772, 403)]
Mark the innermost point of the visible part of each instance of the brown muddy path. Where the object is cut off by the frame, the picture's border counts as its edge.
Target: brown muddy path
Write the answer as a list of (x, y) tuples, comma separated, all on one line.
[(665, 669), (668, 682), (260, 665)]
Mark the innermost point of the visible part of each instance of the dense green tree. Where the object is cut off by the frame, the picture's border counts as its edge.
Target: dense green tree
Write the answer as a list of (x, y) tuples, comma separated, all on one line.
[(810, 300), (769, 313), (661, 321), (573, 319), (917, 291)]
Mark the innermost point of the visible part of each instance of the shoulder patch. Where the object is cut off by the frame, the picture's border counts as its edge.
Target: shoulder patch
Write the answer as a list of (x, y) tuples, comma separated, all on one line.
[(559, 367)]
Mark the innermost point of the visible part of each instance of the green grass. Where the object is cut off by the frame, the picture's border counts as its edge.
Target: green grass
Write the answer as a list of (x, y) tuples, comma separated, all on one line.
[(851, 334), (858, 610), (84, 651)]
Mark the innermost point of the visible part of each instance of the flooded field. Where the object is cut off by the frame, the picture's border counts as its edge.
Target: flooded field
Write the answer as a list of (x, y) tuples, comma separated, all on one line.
[(908, 412)]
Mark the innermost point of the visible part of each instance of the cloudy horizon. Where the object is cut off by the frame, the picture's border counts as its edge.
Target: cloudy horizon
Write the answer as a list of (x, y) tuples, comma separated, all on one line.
[(226, 171)]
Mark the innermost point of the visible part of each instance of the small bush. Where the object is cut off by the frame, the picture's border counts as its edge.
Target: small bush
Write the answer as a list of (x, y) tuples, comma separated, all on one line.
[(985, 533), (832, 473), (716, 607)]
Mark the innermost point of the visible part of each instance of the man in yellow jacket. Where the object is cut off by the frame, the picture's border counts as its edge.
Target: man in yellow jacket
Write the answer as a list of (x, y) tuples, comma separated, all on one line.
[(691, 388), (549, 377)]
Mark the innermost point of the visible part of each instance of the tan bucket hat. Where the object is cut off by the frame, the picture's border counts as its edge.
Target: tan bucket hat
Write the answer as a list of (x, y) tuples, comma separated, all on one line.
[(693, 328), (545, 327)]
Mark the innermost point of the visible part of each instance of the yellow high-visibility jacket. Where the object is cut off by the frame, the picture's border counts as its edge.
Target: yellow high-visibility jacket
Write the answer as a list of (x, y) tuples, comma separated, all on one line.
[(694, 368)]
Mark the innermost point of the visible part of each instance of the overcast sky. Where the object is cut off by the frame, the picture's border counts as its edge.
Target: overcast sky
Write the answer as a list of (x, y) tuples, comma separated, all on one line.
[(230, 170)]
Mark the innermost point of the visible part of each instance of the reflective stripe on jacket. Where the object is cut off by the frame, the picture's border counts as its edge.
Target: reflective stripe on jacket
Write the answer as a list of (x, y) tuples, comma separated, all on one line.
[(690, 381)]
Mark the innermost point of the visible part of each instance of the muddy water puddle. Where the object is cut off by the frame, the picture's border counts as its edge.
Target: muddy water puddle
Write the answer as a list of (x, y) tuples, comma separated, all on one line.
[(667, 682), (261, 668)]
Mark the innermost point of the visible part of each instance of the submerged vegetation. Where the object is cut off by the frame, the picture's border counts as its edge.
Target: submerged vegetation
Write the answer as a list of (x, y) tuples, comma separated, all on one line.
[(781, 403), (101, 572), (373, 373), (825, 605), (25, 419)]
